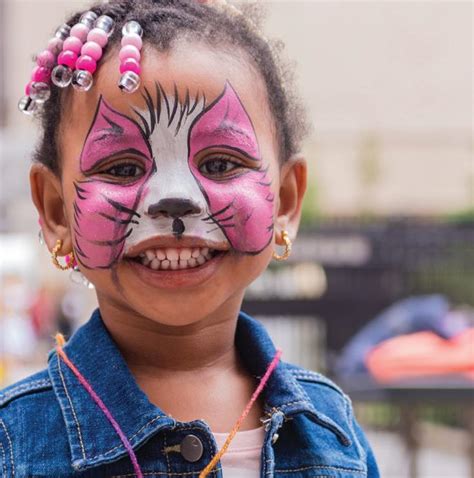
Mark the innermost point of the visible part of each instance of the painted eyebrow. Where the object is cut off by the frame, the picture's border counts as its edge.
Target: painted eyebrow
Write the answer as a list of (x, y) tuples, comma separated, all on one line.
[(233, 128)]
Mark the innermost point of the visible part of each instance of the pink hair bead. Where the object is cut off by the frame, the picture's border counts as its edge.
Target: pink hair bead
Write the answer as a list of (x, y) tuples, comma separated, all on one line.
[(72, 44), (40, 74), (130, 64), (80, 31), (98, 36), (87, 63), (46, 59), (55, 45), (67, 58), (132, 39), (92, 49), (28, 88), (129, 51)]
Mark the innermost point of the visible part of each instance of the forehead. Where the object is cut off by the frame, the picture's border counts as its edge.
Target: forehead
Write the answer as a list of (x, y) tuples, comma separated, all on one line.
[(187, 68)]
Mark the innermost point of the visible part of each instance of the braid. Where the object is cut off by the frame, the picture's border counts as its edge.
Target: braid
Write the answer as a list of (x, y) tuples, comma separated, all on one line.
[(215, 22)]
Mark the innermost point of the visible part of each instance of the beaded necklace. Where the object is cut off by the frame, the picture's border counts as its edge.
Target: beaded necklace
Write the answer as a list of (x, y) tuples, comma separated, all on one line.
[(60, 341)]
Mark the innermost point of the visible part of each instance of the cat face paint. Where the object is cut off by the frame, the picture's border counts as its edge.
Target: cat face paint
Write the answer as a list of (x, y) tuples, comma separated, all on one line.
[(174, 194)]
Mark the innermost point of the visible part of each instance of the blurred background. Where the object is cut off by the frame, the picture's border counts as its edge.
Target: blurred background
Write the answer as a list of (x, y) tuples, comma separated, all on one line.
[(379, 291)]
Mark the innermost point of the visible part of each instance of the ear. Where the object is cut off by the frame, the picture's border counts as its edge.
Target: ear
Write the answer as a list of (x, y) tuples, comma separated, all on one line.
[(293, 177), (47, 195)]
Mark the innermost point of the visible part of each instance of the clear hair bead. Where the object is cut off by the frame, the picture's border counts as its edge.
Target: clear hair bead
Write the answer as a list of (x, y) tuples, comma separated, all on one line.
[(129, 82), (40, 92), (106, 23), (63, 32), (132, 27), (88, 19), (61, 76), (82, 80), (27, 105)]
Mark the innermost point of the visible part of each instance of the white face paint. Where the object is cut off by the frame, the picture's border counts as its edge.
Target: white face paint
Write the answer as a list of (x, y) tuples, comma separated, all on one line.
[(173, 178)]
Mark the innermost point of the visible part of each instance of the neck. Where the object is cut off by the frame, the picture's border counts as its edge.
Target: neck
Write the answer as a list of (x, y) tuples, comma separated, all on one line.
[(154, 349)]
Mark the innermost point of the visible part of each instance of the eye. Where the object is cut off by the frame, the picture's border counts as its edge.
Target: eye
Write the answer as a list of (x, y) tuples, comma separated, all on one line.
[(218, 166), (124, 170)]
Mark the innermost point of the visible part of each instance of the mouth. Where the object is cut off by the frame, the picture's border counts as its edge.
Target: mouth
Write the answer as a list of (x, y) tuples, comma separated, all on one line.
[(172, 254), (171, 258)]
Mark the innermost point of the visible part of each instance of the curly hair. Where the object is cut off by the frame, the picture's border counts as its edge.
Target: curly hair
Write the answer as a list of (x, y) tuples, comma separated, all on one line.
[(221, 26)]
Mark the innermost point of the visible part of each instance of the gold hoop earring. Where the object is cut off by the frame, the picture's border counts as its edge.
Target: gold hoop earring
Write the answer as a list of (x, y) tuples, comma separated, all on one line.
[(54, 257), (287, 252)]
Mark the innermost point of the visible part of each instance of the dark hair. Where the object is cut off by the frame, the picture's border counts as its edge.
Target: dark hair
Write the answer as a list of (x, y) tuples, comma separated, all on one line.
[(224, 27)]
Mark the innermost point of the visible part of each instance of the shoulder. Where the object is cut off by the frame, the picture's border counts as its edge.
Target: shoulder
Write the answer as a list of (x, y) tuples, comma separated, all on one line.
[(29, 416), (320, 388), (334, 407), (32, 385)]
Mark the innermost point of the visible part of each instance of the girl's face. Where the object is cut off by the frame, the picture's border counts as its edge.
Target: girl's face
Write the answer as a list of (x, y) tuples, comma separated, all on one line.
[(171, 193)]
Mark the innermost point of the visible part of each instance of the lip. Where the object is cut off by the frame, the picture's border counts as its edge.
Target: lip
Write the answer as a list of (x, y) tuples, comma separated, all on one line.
[(177, 243), (172, 279)]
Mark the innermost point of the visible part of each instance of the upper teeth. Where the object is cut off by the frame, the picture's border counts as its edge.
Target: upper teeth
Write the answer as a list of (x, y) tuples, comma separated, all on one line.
[(172, 258)]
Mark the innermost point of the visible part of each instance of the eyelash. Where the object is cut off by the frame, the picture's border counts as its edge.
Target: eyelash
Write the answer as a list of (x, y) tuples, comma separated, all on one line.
[(222, 158), (122, 164)]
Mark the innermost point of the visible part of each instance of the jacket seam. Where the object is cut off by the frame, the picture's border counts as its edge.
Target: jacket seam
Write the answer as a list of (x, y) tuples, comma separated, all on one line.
[(350, 417), (168, 467), (10, 445), (78, 426), (25, 387), (102, 455), (316, 378), (321, 467), (302, 400), (4, 461), (147, 473)]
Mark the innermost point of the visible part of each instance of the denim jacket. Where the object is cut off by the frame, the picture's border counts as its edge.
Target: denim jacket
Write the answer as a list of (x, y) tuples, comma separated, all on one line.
[(51, 427)]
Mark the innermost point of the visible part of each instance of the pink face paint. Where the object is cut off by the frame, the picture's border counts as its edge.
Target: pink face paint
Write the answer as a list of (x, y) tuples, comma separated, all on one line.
[(104, 211), (110, 216), (242, 206)]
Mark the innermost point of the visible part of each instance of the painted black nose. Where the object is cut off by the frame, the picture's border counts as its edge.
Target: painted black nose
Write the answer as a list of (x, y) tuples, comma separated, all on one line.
[(173, 207)]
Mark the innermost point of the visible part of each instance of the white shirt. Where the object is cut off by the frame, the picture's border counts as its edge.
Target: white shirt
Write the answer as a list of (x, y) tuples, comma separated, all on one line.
[(242, 458)]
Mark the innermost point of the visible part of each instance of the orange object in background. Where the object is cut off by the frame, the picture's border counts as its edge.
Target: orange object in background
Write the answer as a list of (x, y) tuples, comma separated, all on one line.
[(422, 354)]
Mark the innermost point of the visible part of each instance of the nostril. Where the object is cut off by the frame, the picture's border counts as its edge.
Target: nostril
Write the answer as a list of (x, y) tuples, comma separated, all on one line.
[(173, 207)]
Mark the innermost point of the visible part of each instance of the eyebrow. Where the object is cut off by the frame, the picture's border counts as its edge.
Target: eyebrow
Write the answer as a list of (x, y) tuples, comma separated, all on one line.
[(230, 126)]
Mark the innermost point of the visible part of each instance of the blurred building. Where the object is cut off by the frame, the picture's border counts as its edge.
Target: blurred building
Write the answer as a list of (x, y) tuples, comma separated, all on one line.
[(388, 86)]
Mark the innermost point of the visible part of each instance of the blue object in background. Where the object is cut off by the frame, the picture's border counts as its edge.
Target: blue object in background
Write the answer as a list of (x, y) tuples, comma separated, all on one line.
[(414, 314)]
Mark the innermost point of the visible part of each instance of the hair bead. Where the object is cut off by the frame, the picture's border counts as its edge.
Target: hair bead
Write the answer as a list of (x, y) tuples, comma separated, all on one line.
[(98, 36), (87, 63), (63, 32), (62, 75), (37, 90), (130, 64), (41, 74), (129, 55), (91, 53), (46, 59), (80, 31)]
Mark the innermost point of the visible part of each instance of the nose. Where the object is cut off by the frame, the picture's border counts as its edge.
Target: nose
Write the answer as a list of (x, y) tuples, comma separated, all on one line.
[(173, 207)]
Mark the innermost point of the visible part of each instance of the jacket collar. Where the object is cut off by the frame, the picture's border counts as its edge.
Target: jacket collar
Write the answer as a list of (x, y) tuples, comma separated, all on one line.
[(92, 350)]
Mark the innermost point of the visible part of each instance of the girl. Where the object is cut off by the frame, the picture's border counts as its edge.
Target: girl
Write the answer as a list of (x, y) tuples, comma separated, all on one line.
[(167, 177)]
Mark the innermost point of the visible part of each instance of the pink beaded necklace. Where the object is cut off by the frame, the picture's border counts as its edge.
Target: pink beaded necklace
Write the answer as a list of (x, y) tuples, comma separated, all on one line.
[(60, 341)]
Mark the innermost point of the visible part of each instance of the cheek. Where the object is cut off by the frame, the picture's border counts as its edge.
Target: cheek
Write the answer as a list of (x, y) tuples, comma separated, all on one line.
[(242, 207), (104, 216)]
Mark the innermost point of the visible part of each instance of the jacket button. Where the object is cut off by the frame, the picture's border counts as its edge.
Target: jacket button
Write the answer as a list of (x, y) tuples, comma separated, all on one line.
[(191, 448)]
